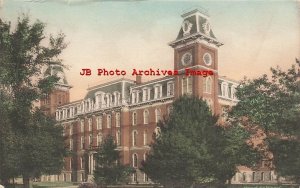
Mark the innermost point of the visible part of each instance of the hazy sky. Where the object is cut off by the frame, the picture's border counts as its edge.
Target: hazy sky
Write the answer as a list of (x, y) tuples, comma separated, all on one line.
[(135, 34)]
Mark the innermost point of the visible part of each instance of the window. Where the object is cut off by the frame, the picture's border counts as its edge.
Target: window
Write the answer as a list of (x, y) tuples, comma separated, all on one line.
[(90, 124), (157, 132), (146, 94), (82, 142), (157, 91), (109, 121), (145, 137), (134, 138), (99, 139), (90, 139), (157, 115), (134, 177), (71, 129), (244, 176), (224, 89), (253, 176), (170, 89), (71, 144), (82, 126), (118, 138), (146, 116), (184, 85), (146, 179), (190, 85), (118, 119), (262, 176), (81, 162), (135, 97), (135, 160), (207, 84), (99, 122), (134, 118)]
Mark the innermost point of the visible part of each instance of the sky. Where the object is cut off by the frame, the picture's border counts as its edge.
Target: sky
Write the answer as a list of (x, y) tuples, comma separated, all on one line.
[(119, 34)]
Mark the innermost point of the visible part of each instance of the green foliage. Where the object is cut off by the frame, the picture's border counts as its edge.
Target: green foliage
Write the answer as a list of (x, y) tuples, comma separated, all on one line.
[(191, 148), (31, 144), (108, 170), (271, 104)]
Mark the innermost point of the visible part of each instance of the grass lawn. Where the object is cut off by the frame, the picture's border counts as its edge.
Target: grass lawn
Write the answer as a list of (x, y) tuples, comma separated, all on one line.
[(51, 184)]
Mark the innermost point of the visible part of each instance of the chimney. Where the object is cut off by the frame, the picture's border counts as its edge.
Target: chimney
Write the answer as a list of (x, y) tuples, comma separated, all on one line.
[(138, 79)]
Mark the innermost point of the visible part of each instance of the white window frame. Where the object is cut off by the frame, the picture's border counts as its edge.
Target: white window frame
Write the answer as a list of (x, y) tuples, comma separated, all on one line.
[(208, 84), (146, 94), (99, 122), (90, 124), (157, 91), (224, 89), (157, 115), (146, 117), (145, 140), (170, 88), (134, 118), (135, 160), (118, 119), (108, 121), (134, 138)]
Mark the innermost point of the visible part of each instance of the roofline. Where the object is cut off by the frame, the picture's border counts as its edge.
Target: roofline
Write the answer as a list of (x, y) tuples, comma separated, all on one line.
[(109, 83)]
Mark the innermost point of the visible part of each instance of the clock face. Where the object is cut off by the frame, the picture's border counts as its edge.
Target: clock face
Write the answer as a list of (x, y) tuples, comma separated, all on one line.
[(186, 59), (207, 59), (206, 28)]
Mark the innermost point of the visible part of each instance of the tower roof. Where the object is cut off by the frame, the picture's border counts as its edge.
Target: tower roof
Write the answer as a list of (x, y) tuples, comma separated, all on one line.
[(196, 23)]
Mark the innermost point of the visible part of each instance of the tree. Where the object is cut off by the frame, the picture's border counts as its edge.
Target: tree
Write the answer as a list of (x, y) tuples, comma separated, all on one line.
[(191, 148), (108, 169), (33, 141), (271, 104)]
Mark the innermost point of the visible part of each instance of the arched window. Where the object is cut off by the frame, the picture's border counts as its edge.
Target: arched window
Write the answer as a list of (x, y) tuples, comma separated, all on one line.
[(118, 138), (146, 116), (99, 122), (82, 126), (134, 118), (145, 137), (157, 115), (134, 160), (90, 124), (134, 138), (253, 176), (108, 121), (71, 144), (207, 84), (118, 119), (90, 139), (82, 142)]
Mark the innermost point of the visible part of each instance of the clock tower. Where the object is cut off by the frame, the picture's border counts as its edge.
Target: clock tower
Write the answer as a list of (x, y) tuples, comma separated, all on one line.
[(60, 94), (196, 49)]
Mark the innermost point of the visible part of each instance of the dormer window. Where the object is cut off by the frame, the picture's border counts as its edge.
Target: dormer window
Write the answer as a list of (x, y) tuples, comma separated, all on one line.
[(157, 91), (170, 89), (135, 97), (224, 89), (146, 94)]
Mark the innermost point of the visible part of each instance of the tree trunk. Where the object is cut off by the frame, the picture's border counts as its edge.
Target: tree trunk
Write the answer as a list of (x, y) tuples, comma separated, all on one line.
[(26, 181)]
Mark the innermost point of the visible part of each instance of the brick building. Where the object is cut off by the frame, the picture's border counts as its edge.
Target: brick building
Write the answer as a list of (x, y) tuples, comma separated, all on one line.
[(130, 109)]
